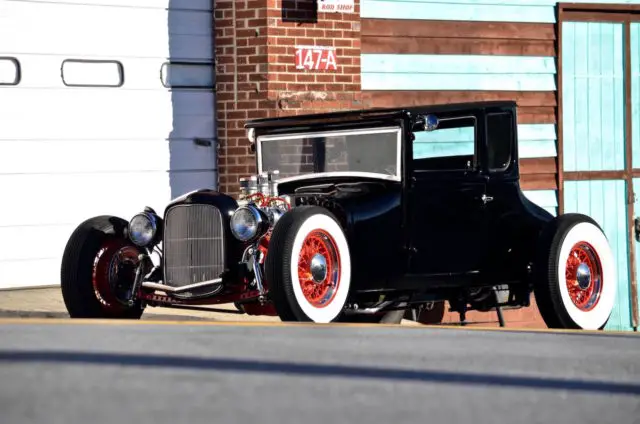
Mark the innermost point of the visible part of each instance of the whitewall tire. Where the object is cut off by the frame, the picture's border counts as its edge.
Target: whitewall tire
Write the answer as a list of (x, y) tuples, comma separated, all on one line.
[(576, 284), (308, 266)]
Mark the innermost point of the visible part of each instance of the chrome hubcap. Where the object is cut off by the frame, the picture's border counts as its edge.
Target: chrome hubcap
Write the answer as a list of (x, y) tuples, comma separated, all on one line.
[(583, 275), (318, 268)]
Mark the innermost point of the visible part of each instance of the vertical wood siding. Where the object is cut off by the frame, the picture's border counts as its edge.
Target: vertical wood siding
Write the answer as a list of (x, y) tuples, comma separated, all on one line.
[(594, 133), (636, 205), (605, 202), (635, 92), (593, 96)]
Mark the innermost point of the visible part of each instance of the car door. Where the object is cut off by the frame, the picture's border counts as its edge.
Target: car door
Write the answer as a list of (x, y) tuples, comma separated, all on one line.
[(448, 199)]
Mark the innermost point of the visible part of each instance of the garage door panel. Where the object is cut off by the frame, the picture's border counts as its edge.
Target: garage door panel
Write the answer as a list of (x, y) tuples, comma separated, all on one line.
[(45, 199), (105, 114), (117, 45), (70, 198), (39, 242), (83, 126), (29, 273), (75, 101), (70, 153), (49, 156), (55, 27), (62, 18), (189, 47), (203, 5)]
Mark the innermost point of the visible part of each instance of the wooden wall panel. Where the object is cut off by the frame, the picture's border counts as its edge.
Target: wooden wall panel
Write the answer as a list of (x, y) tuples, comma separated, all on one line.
[(533, 107), (538, 174), (524, 52), (414, 98), (457, 29), (436, 37)]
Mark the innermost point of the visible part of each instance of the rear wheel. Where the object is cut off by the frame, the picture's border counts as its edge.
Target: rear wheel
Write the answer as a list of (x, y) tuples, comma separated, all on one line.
[(98, 270), (308, 267), (575, 283)]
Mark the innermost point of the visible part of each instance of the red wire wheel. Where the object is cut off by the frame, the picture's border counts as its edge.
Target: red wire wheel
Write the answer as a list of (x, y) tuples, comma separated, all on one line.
[(113, 274), (308, 268), (319, 268), (584, 276)]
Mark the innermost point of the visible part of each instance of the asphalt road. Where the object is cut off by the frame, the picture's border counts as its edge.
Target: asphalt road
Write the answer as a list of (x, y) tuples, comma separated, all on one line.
[(191, 372)]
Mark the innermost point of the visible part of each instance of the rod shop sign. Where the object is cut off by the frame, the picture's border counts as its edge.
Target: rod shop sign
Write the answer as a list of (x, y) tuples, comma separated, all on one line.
[(316, 58), (341, 6)]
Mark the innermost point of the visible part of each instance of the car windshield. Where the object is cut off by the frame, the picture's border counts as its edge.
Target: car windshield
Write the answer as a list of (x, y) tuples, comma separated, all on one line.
[(373, 151)]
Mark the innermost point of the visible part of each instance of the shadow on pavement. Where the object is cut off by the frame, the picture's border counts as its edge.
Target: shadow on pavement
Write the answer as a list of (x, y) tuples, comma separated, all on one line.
[(148, 317), (272, 367)]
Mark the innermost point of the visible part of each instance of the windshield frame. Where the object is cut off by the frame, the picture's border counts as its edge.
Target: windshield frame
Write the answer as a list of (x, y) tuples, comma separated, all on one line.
[(337, 133)]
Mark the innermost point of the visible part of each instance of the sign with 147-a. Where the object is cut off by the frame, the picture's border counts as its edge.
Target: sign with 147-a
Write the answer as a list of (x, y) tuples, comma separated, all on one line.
[(316, 58)]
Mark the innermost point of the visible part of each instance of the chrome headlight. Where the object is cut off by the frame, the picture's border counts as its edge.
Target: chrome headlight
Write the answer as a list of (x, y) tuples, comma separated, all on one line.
[(248, 223), (143, 228)]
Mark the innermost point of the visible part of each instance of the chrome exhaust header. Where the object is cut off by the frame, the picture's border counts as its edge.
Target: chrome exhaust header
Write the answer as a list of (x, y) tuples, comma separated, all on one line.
[(169, 289)]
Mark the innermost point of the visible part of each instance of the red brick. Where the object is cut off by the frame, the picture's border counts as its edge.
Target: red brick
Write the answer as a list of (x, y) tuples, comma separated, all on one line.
[(325, 78), (242, 14), (305, 78), (343, 43), (261, 48)]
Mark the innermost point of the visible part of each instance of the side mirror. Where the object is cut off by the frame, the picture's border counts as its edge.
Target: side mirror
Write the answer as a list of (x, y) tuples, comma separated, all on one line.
[(426, 123)]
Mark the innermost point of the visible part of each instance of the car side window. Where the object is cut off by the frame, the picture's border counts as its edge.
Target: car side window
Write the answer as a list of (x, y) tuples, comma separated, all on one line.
[(499, 138), (450, 146)]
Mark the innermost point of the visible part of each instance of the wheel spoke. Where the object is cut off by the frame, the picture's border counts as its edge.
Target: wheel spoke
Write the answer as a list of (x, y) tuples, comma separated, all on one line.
[(319, 289), (583, 276)]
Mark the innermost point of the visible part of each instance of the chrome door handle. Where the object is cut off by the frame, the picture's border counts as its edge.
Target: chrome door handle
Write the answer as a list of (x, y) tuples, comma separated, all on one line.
[(486, 199)]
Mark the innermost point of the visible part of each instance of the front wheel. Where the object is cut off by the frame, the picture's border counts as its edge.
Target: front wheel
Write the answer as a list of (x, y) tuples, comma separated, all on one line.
[(575, 285), (308, 266), (98, 270)]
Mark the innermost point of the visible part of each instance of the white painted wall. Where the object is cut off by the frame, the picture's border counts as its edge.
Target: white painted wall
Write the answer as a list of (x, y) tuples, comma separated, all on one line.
[(69, 153)]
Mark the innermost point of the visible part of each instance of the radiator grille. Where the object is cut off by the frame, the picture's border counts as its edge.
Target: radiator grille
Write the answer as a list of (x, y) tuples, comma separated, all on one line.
[(193, 244)]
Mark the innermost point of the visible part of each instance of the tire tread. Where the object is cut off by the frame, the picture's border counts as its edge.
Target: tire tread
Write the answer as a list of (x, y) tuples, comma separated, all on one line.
[(75, 273)]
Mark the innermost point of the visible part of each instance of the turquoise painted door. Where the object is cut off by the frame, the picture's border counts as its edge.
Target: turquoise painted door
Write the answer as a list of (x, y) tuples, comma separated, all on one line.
[(635, 130), (594, 138)]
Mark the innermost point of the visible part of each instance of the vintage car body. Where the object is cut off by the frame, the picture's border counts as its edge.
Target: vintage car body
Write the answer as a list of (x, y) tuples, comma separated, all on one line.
[(355, 216)]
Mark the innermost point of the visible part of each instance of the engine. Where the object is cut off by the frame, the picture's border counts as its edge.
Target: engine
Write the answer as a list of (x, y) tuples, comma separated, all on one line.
[(260, 207)]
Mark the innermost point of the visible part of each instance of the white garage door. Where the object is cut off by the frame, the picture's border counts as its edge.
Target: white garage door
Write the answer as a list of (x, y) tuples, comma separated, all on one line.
[(105, 106)]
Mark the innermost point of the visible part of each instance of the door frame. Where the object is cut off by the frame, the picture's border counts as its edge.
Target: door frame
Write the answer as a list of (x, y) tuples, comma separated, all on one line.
[(615, 13)]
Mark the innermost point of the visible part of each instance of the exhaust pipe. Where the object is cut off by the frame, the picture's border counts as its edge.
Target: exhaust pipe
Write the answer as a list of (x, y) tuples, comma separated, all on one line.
[(169, 289)]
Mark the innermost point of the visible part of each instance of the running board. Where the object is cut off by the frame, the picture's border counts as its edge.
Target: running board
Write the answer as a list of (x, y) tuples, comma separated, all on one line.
[(170, 289)]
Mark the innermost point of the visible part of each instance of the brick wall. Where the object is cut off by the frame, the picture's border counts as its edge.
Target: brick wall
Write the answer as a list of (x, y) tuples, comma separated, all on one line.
[(257, 77)]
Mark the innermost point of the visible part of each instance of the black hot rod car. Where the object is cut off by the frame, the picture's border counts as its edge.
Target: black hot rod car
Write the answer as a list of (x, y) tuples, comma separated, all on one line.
[(354, 216)]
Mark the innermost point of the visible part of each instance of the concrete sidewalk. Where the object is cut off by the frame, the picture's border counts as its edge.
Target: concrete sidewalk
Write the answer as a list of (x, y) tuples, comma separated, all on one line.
[(48, 303)]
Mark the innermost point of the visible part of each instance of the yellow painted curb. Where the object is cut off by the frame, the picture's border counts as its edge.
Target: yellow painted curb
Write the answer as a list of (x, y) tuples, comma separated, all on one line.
[(69, 321)]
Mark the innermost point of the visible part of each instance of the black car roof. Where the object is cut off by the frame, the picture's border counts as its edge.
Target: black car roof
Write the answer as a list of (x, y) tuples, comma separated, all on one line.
[(371, 113)]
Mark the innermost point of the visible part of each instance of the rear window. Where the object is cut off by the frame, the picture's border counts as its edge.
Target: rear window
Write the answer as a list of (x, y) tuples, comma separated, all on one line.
[(499, 137)]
